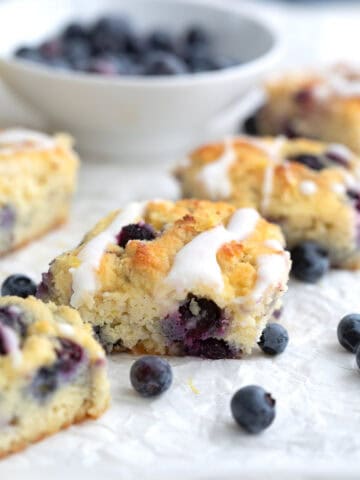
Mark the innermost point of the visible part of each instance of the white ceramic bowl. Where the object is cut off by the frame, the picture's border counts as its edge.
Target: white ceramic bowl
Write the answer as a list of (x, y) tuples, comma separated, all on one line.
[(141, 117)]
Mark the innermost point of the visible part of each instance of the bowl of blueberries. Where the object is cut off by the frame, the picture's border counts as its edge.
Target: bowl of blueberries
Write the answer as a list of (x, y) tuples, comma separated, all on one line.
[(135, 78)]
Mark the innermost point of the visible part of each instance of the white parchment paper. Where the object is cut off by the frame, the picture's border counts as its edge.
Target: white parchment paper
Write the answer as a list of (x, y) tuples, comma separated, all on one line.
[(188, 433)]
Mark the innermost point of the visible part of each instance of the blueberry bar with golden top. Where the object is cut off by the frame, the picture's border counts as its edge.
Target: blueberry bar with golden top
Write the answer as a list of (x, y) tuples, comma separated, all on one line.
[(310, 189), (37, 180), (180, 278), (323, 105), (53, 372)]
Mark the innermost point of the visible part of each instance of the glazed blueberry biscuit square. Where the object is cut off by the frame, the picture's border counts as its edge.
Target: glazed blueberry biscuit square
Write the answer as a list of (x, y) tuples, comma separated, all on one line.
[(53, 372), (320, 105), (310, 189), (37, 180), (185, 278)]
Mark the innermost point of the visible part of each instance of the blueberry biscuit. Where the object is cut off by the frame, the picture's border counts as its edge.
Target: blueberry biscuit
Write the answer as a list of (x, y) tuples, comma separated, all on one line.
[(320, 105), (310, 189), (185, 278), (53, 372), (37, 179)]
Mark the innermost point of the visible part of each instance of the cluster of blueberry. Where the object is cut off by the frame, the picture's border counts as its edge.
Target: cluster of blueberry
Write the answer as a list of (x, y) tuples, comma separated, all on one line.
[(111, 46)]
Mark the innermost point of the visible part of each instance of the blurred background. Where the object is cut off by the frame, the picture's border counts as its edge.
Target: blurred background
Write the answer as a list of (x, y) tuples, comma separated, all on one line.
[(314, 32)]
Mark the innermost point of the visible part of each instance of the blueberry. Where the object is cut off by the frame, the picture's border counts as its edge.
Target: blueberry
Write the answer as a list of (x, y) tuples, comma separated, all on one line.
[(250, 126), (12, 316), (358, 357), (77, 53), (309, 160), (43, 289), (74, 31), (160, 40), (27, 53), (51, 49), (135, 231), (18, 285), (197, 35), (110, 34), (150, 376), (59, 64), (211, 348), (304, 97), (348, 332), (337, 158), (70, 355), (310, 262), (200, 316), (104, 65), (3, 342), (289, 130), (7, 221), (253, 408), (134, 44), (274, 339), (277, 313), (355, 197), (44, 383), (163, 63), (195, 326)]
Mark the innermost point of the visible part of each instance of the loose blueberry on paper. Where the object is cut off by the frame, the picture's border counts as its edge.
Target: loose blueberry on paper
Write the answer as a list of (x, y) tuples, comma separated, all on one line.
[(310, 262), (18, 285), (150, 376), (348, 332), (274, 339), (253, 408)]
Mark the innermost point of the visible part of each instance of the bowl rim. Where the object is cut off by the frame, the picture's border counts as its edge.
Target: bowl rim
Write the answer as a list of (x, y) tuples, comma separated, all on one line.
[(250, 67)]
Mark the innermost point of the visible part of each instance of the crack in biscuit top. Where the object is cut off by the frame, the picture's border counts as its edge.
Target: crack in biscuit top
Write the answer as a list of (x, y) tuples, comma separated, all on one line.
[(84, 277), (17, 139), (196, 263)]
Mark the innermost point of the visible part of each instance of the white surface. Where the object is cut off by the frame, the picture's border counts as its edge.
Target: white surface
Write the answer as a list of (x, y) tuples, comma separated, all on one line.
[(142, 117), (188, 435)]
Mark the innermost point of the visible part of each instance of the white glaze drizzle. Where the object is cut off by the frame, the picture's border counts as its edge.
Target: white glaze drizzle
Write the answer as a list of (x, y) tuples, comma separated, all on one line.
[(335, 83), (273, 151), (196, 264), (12, 345), (308, 187), (338, 188), (66, 329), (273, 269), (18, 138), (215, 176), (84, 278), (340, 150)]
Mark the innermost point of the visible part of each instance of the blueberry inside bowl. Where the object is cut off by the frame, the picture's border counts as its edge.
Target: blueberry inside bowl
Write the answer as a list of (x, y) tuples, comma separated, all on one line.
[(129, 77)]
